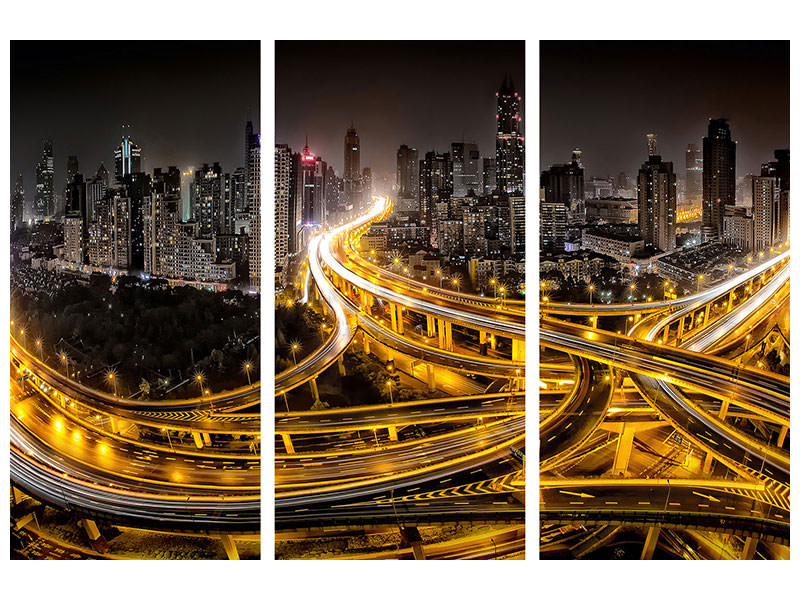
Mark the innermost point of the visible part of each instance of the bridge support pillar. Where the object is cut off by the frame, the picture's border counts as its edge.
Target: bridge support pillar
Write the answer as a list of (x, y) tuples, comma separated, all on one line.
[(198, 439), (730, 301), (483, 337), (287, 443), (393, 314), (400, 310), (650, 542), (431, 377), (706, 314), (708, 463), (723, 412), (393, 433), (782, 435), (431, 325), (207, 439), (340, 365), (365, 341), (90, 527), (314, 389), (518, 350), (749, 550), (17, 495), (230, 546), (493, 342), (622, 456)]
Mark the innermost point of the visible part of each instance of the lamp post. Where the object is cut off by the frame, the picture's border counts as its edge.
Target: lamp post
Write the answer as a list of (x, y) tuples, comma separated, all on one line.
[(389, 385), (294, 350), (247, 367), (113, 380), (699, 279), (39, 345), (591, 291), (494, 285)]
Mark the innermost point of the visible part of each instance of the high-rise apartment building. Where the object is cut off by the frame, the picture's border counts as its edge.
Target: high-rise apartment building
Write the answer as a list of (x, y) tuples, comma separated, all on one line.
[(719, 176), (18, 204), (367, 186), (435, 186), (407, 181), (510, 147), (208, 197), (283, 190), (254, 205), (489, 175), (466, 168), (657, 203), (553, 226), (652, 144), (565, 184)]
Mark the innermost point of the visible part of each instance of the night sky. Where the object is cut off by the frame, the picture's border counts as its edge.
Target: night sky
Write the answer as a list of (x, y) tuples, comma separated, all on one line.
[(186, 102), (604, 97), (424, 94)]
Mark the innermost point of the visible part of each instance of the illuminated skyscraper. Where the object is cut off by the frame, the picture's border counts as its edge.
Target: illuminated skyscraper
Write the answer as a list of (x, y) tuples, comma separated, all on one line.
[(510, 142), (44, 200), (766, 212), (254, 204), (352, 169), (652, 144), (127, 158), (435, 187), (466, 168), (283, 192), (208, 196), (407, 179), (489, 175), (719, 176)]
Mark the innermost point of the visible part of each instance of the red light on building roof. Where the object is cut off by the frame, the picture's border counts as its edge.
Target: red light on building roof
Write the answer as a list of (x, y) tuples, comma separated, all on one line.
[(308, 157)]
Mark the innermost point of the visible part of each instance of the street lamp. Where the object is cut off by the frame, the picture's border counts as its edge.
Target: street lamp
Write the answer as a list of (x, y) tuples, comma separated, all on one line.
[(199, 379), (591, 291), (247, 367), (457, 283), (39, 345), (295, 347), (494, 284), (113, 380), (699, 279), (66, 364), (502, 295), (389, 385)]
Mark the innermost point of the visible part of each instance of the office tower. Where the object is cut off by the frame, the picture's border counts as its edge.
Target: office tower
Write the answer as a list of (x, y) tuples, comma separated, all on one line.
[(577, 157), (719, 176), (510, 153), (239, 191), (657, 203), (564, 184), (101, 236), (137, 189), (254, 204), (652, 144), (766, 212), (311, 189), (435, 186), (489, 176), (517, 214), (72, 170), (366, 185), (44, 199), (694, 175), (283, 192), (407, 172), (352, 169), (466, 168), (252, 149), (127, 158), (553, 228), (18, 204), (333, 195), (207, 198), (95, 189)]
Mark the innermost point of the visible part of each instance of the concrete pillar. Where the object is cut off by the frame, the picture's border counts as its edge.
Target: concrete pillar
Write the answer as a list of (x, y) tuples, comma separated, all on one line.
[(364, 304), (782, 435), (230, 546), (493, 342), (287, 443), (650, 542), (707, 314), (431, 377), (442, 335), (418, 550), (365, 341), (431, 323), (393, 433), (198, 439), (708, 463), (340, 365), (314, 389), (207, 439), (622, 456), (18, 495), (448, 336), (90, 527), (399, 310), (723, 412), (749, 550), (730, 300), (517, 350), (665, 336), (483, 337)]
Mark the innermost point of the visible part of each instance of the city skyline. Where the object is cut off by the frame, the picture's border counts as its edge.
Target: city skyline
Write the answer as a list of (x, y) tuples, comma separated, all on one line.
[(697, 81), (395, 112), (84, 115)]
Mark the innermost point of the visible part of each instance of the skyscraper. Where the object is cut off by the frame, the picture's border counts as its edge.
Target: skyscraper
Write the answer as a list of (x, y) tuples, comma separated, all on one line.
[(283, 190), (137, 189), (766, 212), (779, 168), (657, 203), (510, 142), (254, 204), (719, 176), (311, 188), (565, 184), (694, 175), (208, 191), (407, 179), (435, 186), (553, 227), (72, 170), (17, 204), (95, 189), (366, 185), (652, 144), (466, 168), (352, 169), (489, 175), (44, 200), (252, 141), (127, 158)]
